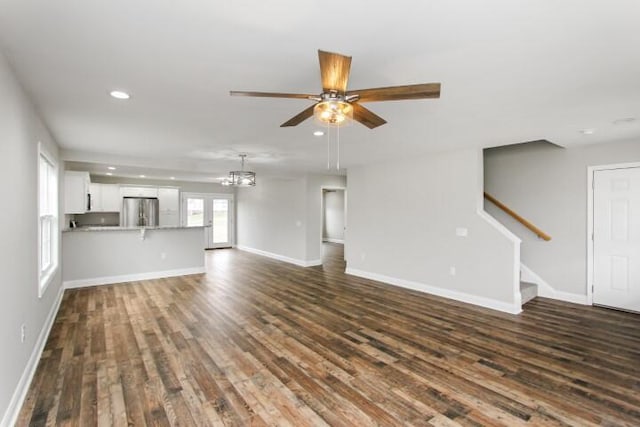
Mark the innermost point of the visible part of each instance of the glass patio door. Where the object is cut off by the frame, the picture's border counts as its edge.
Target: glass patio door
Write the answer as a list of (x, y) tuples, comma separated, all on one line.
[(215, 212)]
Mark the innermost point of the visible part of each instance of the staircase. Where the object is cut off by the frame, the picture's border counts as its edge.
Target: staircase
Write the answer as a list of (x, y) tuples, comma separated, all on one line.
[(528, 291), (528, 287)]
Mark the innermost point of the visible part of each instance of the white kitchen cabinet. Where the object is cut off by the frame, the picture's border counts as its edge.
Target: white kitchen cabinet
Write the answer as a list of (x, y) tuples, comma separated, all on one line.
[(168, 199), (111, 200), (169, 218), (76, 192), (130, 191), (95, 190), (105, 197), (169, 206)]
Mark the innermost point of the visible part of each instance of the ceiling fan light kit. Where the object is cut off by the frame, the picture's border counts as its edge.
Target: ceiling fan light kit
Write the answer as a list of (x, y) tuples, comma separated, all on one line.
[(333, 112), (335, 106), (241, 178)]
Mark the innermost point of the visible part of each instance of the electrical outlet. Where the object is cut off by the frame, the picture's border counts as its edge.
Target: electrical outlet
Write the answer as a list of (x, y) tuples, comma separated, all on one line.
[(23, 332), (163, 255), (452, 270), (102, 220)]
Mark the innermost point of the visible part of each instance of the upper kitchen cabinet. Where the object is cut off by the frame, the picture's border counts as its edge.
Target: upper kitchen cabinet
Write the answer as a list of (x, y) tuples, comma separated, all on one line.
[(105, 197), (169, 206), (76, 192), (131, 191), (111, 200), (169, 199)]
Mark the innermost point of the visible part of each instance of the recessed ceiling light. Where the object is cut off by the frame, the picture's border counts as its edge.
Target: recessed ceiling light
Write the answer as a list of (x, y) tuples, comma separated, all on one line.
[(111, 168), (118, 94), (624, 120), (318, 133), (142, 176), (588, 131), (108, 173)]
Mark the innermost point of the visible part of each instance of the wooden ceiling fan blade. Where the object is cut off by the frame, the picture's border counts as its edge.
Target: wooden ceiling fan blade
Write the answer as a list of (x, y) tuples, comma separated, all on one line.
[(299, 118), (366, 117), (397, 93), (272, 94), (334, 71)]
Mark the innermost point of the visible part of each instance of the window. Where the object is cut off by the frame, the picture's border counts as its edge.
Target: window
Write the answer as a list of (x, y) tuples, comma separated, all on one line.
[(47, 219), (195, 212)]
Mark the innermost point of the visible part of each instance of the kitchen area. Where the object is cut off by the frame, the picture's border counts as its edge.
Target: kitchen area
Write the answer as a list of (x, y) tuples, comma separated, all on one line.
[(119, 232)]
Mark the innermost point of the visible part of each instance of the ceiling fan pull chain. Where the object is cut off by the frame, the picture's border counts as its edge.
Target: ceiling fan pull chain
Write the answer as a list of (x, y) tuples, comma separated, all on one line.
[(338, 149), (328, 150)]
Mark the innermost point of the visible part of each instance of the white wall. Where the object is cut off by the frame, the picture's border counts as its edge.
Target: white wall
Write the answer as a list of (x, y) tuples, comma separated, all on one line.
[(271, 217), (404, 230), (333, 220), (283, 217), (20, 131), (548, 186), (98, 257), (315, 183)]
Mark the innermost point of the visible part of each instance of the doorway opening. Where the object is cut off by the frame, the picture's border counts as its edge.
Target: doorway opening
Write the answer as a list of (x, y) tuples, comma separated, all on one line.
[(214, 212), (334, 217)]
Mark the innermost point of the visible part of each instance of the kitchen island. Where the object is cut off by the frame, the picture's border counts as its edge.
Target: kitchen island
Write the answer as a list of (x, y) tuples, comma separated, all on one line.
[(103, 255)]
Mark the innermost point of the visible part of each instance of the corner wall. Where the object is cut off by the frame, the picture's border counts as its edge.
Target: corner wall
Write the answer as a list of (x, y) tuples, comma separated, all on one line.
[(282, 218), (403, 230), (548, 186), (271, 218), (20, 131)]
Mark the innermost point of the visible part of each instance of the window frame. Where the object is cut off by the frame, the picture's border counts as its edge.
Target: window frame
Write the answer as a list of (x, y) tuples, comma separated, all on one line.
[(51, 217)]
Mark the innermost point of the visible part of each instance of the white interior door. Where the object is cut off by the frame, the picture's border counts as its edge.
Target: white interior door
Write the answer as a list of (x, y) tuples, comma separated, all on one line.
[(616, 238), (215, 212)]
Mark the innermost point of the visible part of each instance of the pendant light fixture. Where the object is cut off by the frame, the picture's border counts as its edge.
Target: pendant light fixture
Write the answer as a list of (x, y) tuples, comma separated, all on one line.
[(241, 178)]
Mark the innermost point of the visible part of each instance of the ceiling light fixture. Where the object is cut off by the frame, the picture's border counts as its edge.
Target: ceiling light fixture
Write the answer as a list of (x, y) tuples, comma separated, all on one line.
[(333, 109), (240, 178), (118, 94), (142, 176), (318, 133), (111, 168), (108, 174), (588, 131), (172, 178)]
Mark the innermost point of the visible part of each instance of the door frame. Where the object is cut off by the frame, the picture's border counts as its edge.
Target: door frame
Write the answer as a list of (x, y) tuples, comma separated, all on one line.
[(232, 210), (332, 187), (590, 187)]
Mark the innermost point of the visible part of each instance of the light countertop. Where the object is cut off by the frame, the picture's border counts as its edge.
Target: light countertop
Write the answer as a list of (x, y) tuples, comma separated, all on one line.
[(118, 228)]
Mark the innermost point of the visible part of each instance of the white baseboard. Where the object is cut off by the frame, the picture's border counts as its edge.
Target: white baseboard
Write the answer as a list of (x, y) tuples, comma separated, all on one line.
[(108, 280), (13, 410), (330, 240), (569, 297), (514, 308), (298, 262), (545, 290)]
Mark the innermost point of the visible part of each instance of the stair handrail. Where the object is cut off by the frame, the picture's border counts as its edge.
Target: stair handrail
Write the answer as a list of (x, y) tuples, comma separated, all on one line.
[(541, 234)]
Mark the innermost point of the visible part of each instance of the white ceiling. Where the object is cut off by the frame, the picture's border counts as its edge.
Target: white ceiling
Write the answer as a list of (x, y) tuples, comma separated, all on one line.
[(511, 71)]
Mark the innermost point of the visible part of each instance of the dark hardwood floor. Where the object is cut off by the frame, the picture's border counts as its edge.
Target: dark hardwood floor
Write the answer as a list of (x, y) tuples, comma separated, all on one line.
[(261, 342)]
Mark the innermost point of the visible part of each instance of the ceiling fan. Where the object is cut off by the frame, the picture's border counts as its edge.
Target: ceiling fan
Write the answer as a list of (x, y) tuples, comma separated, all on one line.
[(335, 104)]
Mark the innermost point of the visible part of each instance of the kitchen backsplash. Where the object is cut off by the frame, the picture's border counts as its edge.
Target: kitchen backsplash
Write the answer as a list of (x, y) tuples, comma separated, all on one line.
[(98, 218)]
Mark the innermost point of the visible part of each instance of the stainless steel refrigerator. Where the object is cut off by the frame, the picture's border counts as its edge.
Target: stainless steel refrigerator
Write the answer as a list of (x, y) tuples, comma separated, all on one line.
[(139, 212)]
